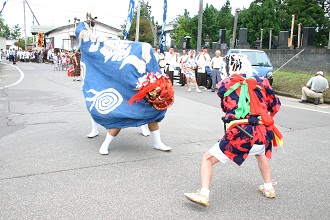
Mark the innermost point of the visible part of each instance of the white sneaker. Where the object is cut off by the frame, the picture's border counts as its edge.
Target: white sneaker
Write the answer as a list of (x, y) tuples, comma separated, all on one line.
[(189, 89), (162, 147), (145, 131), (199, 91), (93, 134), (269, 193), (199, 198)]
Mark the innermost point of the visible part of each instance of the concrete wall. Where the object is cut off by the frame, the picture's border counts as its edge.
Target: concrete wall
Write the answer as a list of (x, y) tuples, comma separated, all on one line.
[(308, 61)]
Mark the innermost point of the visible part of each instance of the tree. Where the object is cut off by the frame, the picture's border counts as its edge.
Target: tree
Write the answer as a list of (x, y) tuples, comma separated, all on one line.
[(15, 32), (181, 27), (225, 20), (145, 32), (261, 15), (4, 29), (210, 26)]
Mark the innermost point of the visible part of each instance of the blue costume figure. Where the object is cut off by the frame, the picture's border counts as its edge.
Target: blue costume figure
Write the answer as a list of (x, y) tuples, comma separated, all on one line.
[(122, 85)]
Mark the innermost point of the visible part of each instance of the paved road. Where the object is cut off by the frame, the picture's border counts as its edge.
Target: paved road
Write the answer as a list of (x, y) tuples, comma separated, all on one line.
[(50, 170)]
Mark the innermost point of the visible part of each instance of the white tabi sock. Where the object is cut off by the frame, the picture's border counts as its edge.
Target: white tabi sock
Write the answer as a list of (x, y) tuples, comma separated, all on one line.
[(268, 185), (158, 144), (156, 136), (205, 192), (94, 131), (104, 149)]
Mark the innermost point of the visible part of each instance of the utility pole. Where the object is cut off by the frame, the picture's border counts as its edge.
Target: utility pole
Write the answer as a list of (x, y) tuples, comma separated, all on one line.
[(233, 41), (137, 30), (200, 23), (24, 26)]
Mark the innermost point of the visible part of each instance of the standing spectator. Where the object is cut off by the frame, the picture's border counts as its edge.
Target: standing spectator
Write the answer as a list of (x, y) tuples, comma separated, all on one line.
[(63, 61), (217, 63), (14, 54), (1, 54), (315, 88), (183, 59), (203, 62), (190, 67), (10, 55), (56, 62), (76, 63), (171, 59)]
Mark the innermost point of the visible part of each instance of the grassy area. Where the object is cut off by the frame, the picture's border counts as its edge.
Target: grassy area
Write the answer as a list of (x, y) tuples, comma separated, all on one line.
[(290, 84)]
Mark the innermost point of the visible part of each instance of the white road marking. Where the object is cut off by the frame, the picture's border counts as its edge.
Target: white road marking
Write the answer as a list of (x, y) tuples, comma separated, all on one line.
[(313, 110), (18, 81)]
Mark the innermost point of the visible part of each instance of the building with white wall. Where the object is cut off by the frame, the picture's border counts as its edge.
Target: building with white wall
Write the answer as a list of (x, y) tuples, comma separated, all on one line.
[(64, 37)]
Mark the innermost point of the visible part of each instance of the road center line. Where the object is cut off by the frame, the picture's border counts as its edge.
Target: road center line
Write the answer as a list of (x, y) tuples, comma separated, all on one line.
[(314, 110), (18, 81)]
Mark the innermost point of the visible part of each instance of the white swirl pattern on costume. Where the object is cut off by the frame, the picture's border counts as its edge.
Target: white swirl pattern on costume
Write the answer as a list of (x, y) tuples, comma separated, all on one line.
[(119, 50), (105, 101)]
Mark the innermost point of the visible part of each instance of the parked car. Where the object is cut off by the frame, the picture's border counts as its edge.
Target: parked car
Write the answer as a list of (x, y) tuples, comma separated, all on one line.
[(259, 61)]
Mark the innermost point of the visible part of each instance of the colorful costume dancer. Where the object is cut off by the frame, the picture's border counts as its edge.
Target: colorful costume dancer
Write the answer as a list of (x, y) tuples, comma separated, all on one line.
[(249, 104), (122, 85)]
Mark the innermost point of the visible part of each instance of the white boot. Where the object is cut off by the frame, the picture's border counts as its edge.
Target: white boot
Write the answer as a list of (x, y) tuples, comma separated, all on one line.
[(144, 130), (158, 144), (94, 131), (104, 149)]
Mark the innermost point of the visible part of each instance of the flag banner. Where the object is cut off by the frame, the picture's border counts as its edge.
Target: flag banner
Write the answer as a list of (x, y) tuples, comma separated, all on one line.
[(115, 73), (3, 6), (129, 18), (163, 37)]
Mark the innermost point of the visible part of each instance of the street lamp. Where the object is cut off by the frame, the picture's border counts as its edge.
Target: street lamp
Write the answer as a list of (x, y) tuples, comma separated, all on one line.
[(235, 27), (261, 33)]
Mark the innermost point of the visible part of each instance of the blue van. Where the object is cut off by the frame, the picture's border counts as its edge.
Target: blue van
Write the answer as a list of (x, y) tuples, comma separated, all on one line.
[(259, 61)]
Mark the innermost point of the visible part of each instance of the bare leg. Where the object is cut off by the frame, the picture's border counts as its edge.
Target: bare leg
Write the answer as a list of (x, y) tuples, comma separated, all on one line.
[(112, 133), (208, 161), (264, 167), (188, 83), (158, 144), (202, 197), (267, 188), (195, 83)]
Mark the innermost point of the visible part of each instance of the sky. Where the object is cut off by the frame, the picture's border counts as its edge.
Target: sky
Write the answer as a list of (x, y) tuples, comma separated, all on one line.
[(111, 12)]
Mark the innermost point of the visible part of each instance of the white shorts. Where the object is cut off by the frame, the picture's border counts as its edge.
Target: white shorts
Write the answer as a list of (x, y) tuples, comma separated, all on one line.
[(257, 149)]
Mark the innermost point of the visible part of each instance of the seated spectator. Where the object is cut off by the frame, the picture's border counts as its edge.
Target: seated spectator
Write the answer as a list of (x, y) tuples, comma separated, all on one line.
[(315, 88)]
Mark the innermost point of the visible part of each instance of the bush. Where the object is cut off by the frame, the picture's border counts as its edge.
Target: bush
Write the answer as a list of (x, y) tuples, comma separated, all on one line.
[(290, 84)]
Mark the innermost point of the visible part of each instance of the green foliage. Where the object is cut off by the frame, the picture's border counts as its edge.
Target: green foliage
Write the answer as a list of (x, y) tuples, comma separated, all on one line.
[(15, 32), (261, 14), (4, 29)]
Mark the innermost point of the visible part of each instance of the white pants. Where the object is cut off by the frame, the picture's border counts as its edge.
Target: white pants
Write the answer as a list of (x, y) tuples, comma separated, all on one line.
[(306, 92), (217, 153)]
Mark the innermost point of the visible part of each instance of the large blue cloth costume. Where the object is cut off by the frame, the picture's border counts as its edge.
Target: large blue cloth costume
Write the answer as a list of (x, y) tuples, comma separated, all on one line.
[(111, 69)]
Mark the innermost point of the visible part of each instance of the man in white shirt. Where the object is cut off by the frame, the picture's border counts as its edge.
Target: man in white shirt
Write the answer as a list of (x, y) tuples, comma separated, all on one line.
[(171, 59), (203, 62), (217, 64), (315, 88)]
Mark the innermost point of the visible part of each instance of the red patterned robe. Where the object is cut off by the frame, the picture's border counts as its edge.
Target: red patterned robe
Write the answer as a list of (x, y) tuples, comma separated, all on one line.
[(263, 104)]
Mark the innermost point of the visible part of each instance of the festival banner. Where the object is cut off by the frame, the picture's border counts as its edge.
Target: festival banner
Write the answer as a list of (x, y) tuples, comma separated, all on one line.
[(129, 18), (163, 37), (3, 6)]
